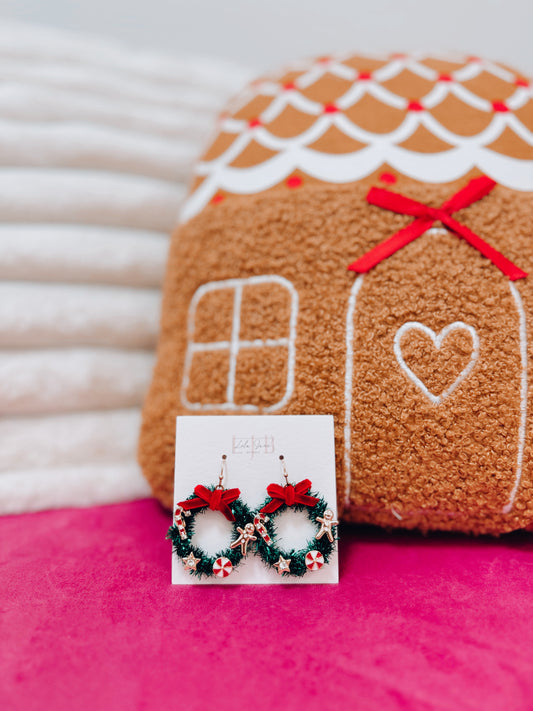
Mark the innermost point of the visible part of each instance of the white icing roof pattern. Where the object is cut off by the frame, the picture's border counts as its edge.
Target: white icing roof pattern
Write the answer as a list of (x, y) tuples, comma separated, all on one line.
[(338, 119)]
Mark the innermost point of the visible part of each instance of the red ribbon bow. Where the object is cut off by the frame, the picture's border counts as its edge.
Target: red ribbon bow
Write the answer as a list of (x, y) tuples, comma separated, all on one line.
[(217, 500), (425, 216), (289, 495)]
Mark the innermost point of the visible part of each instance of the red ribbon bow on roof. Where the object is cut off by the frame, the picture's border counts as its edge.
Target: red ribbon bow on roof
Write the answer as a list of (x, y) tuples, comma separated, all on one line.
[(425, 216), (217, 500), (289, 495)]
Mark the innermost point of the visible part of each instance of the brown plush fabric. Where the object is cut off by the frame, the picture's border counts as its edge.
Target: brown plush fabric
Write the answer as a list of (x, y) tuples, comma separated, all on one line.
[(414, 464), (423, 360)]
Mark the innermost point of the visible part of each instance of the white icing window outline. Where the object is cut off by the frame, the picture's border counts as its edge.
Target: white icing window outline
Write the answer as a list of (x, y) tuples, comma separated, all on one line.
[(234, 345)]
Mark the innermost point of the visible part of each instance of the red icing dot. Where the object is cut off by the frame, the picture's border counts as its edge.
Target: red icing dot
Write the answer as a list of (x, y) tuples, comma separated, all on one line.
[(252, 123), (473, 58), (388, 178), (364, 76), (330, 109), (499, 107), (294, 181), (324, 60), (398, 55), (217, 198), (445, 77), (289, 86), (519, 81), (415, 106)]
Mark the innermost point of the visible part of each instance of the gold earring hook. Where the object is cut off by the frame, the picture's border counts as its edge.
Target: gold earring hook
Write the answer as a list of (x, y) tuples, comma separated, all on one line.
[(223, 471), (284, 469)]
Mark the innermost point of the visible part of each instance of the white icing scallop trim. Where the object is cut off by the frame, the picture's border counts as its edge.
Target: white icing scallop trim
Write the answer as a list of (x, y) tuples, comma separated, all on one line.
[(337, 169)]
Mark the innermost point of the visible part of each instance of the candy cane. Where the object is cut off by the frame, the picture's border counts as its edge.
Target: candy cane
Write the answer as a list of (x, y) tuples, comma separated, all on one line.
[(259, 523), (180, 523)]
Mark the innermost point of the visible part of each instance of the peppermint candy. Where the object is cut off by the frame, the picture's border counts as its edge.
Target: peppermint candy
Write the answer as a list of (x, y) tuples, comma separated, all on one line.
[(222, 567), (314, 560)]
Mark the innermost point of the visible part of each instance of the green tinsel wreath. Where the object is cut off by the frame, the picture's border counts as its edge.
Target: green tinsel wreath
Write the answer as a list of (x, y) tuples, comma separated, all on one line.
[(183, 547), (271, 553)]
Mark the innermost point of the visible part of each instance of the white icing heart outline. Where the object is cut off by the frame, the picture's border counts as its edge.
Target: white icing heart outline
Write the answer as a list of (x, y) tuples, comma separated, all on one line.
[(437, 342)]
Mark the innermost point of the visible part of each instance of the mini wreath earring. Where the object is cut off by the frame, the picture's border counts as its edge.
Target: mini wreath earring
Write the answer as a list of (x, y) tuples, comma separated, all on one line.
[(319, 548), (216, 498)]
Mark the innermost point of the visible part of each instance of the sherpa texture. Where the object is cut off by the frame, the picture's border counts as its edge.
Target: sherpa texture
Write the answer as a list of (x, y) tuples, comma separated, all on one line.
[(412, 464), (91, 621)]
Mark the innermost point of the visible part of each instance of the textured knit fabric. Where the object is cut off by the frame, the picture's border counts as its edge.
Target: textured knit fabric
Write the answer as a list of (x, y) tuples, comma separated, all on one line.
[(96, 142)]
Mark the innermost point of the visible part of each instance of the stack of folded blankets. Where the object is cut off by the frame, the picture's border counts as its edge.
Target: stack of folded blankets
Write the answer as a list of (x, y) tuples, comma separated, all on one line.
[(96, 143)]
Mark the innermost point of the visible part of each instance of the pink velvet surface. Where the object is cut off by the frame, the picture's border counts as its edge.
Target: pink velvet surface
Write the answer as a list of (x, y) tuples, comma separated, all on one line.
[(90, 621)]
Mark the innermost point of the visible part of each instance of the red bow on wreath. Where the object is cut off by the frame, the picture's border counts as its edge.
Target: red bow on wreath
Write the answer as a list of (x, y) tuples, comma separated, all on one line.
[(289, 495), (425, 216), (217, 500)]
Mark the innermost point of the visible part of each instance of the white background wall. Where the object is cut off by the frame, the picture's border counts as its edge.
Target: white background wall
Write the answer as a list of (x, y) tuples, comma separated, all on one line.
[(263, 34)]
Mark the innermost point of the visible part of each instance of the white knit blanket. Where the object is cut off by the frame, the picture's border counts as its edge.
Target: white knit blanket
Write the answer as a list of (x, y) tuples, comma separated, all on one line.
[(96, 144)]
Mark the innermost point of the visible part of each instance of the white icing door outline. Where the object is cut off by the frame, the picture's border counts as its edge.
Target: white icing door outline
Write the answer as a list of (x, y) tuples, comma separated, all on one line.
[(349, 385)]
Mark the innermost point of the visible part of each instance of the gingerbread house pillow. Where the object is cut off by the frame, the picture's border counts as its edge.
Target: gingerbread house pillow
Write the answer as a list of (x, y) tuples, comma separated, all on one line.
[(357, 242)]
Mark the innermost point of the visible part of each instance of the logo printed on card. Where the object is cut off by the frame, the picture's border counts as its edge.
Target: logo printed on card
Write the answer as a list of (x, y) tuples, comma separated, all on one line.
[(253, 445)]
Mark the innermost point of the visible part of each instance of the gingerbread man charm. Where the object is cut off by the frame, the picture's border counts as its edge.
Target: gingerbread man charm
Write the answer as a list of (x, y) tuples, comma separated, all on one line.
[(246, 535), (326, 523)]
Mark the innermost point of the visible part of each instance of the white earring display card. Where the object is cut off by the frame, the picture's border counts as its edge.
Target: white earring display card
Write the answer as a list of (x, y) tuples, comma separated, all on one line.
[(255, 500)]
